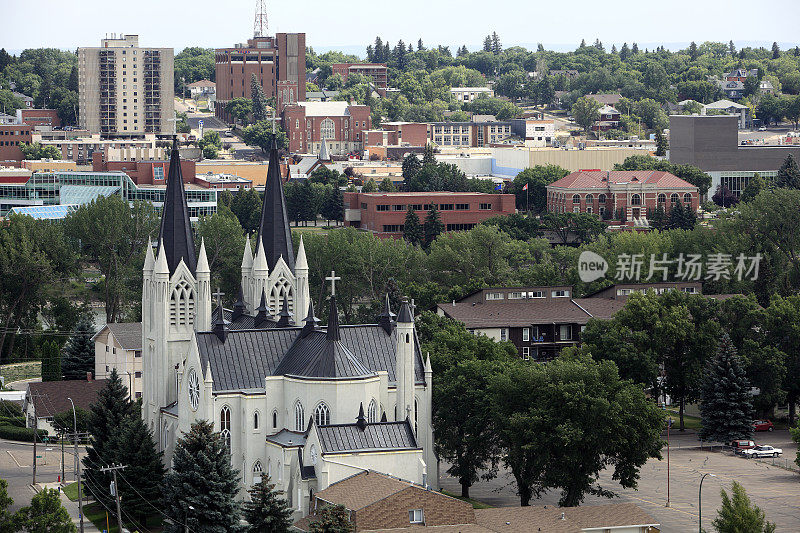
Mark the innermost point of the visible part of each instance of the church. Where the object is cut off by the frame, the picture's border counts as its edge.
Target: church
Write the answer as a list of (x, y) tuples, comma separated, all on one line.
[(307, 404)]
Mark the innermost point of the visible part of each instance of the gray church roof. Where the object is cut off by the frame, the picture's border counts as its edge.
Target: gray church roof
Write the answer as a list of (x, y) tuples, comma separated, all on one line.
[(316, 356), (287, 438), (247, 356), (246, 321), (176, 227), (381, 436)]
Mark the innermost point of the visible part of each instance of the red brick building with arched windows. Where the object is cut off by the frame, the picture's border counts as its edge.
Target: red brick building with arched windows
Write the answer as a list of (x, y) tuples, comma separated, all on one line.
[(629, 193)]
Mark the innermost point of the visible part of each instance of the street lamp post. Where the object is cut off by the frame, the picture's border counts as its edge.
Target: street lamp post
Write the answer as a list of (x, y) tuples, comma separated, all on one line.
[(700, 503), (77, 462), (669, 425)]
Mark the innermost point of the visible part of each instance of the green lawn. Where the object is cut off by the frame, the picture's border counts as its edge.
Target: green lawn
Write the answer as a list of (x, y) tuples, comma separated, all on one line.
[(71, 491), (475, 503), (689, 422), (96, 514), (18, 371)]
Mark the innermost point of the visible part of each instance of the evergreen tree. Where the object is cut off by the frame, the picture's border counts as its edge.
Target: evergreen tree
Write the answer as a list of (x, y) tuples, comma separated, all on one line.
[(386, 52), (657, 218), (428, 158), (738, 515), (200, 490), (583, 44), (370, 54), (411, 166), (107, 416), (378, 57), (487, 44), (726, 410), (776, 51), (332, 519), (79, 351), (387, 185), (420, 47), (755, 185), (693, 53), (661, 144), (6, 518), (614, 49), (433, 226), (412, 229), (259, 100), (140, 483), (624, 52), (267, 511), (731, 48), (369, 186), (333, 207), (788, 175), (634, 49), (46, 514), (51, 361), (496, 46)]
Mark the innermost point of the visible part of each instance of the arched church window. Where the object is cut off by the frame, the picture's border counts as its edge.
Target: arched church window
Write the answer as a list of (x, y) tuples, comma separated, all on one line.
[(372, 412), (322, 415), (225, 425), (274, 419), (299, 421), (327, 129), (281, 288), (416, 414), (165, 436), (255, 420), (258, 471), (181, 305)]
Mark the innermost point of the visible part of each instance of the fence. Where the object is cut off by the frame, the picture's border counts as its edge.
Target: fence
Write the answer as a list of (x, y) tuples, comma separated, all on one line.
[(787, 463)]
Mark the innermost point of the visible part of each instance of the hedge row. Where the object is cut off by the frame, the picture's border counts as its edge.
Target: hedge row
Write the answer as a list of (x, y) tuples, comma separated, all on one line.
[(18, 433), (18, 421)]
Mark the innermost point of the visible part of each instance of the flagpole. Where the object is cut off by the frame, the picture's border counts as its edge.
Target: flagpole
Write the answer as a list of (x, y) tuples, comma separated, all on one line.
[(527, 204)]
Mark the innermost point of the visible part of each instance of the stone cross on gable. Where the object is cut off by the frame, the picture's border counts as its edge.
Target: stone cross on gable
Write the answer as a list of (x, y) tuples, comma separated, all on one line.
[(413, 307), (333, 278), (218, 295)]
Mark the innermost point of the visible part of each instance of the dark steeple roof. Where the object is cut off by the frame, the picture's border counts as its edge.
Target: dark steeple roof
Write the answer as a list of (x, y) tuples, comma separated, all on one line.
[(262, 311), (219, 325), (239, 307), (273, 230), (311, 321), (386, 318), (176, 228), (333, 321), (283, 321), (405, 315), (361, 421)]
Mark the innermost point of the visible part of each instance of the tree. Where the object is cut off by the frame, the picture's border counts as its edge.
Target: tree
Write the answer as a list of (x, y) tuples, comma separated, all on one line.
[(224, 240), (332, 519), (259, 100), (239, 109), (776, 51), (586, 112), (200, 491), (387, 185), (107, 416), (726, 408), (661, 144), (428, 158), (487, 43), (369, 186), (754, 186), (333, 206), (79, 351), (37, 151), (573, 227), (537, 178), (751, 86), (412, 230), (723, 197), (738, 515), (795, 433), (411, 166), (46, 514), (788, 175), (210, 144), (51, 361), (246, 205), (267, 510), (140, 484), (562, 423), (260, 134), (693, 54), (433, 226), (7, 520), (65, 421)]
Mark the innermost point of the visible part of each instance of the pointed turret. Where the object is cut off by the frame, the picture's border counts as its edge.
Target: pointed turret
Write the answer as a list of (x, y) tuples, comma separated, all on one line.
[(324, 154), (405, 315), (386, 318), (361, 421), (219, 325), (405, 354), (285, 319), (332, 332), (262, 311), (161, 266), (311, 321), (273, 230), (383, 417), (176, 228), (149, 258), (203, 316), (428, 367), (239, 307), (247, 256), (202, 260), (302, 295), (260, 259), (302, 262)]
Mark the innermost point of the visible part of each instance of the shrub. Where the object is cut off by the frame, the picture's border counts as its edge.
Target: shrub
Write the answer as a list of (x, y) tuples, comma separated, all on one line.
[(21, 434), (17, 421), (10, 408)]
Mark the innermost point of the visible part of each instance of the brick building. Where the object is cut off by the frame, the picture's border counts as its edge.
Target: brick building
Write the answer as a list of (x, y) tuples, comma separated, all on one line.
[(377, 72), (398, 134), (11, 137), (39, 118), (472, 134), (342, 126), (630, 193), (143, 172), (384, 213), (279, 64), (81, 150)]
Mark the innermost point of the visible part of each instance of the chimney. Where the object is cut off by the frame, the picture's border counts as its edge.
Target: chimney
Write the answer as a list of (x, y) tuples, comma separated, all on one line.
[(88, 376)]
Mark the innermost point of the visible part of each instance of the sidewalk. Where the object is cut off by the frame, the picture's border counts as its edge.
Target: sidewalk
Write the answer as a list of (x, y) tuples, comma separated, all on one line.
[(72, 508)]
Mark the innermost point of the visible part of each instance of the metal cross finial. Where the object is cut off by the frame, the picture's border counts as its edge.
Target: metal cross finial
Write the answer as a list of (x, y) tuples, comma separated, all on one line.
[(218, 295), (413, 307), (333, 278)]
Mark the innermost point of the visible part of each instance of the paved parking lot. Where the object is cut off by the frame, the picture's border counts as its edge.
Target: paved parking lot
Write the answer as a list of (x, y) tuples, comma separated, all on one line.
[(774, 489)]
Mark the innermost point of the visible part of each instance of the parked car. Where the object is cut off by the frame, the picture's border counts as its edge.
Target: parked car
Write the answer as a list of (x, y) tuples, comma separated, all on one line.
[(762, 128), (740, 445), (763, 425), (762, 450)]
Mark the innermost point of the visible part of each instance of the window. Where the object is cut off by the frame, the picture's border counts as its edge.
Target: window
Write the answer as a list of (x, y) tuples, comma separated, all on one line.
[(415, 516), (560, 294), (164, 436), (398, 207), (662, 200), (601, 199), (181, 305), (225, 425), (322, 415), (193, 390), (326, 129), (298, 417), (516, 295), (274, 419), (137, 374), (687, 198), (526, 334), (565, 332), (576, 198), (372, 412), (393, 228), (462, 207), (536, 294), (503, 334), (382, 207), (673, 199), (636, 199), (258, 470), (494, 296), (445, 207), (526, 353), (589, 199), (255, 420), (485, 207), (690, 290)]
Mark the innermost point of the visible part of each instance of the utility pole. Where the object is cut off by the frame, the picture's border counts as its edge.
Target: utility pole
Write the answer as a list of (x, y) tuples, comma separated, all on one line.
[(113, 469), (77, 463), (35, 431), (63, 475)]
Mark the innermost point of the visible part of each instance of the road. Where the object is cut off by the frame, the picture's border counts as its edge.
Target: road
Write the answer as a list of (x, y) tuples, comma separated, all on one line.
[(774, 489)]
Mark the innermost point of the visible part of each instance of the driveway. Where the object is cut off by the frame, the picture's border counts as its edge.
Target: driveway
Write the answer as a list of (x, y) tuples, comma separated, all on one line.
[(774, 489)]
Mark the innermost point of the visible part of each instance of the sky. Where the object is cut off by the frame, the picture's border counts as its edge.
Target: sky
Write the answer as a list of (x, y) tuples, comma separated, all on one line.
[(350, 25)]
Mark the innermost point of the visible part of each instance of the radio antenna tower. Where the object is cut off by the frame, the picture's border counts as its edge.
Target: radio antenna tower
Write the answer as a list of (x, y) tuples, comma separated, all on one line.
[(260, 25)]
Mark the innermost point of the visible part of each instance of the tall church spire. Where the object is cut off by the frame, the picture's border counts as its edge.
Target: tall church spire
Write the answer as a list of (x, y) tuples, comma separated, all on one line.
[(176, 228), (273, 230)]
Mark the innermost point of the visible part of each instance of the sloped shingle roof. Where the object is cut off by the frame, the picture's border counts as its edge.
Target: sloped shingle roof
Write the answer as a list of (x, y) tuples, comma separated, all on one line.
[(128, 334), (380, 436), (600, 179), (50, 397)]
